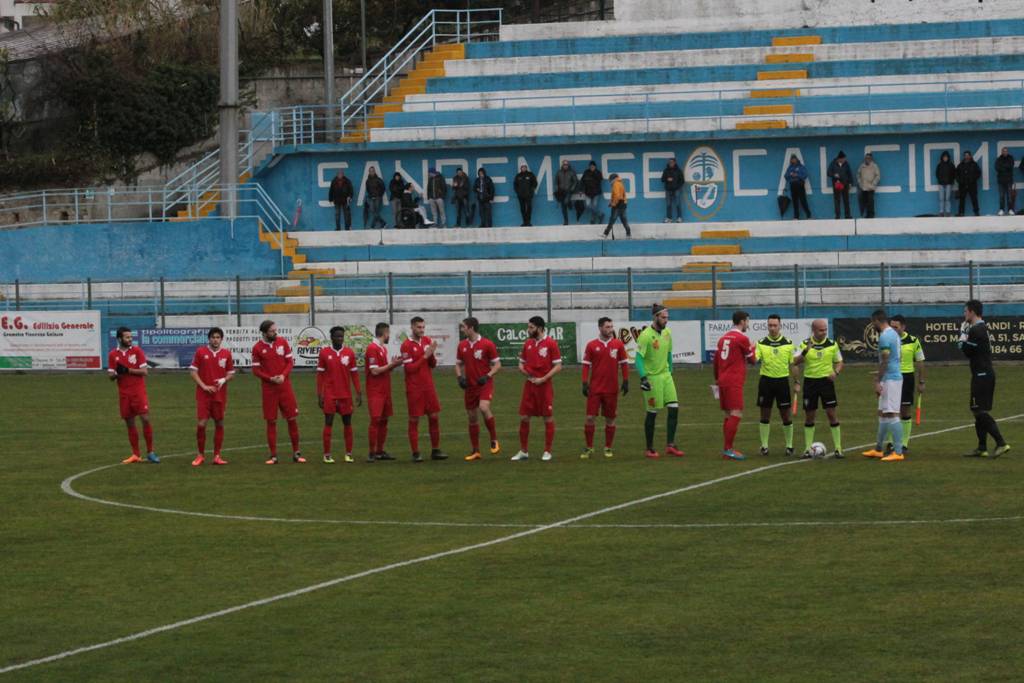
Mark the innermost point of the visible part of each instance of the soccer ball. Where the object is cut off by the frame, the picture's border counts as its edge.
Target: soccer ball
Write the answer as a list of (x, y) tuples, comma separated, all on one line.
[(818, 450)]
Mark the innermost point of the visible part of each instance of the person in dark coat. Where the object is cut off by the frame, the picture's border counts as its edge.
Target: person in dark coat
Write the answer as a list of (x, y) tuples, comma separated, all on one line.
[(968, 173), (591, 182), (672, 180), (437, 193), (483, 188), (841, 176), (796, 177), (396, 188), (945, 176), (374, 200), (1004, 179), (340, 194), (525, 185), (460, 195), (565, 184)]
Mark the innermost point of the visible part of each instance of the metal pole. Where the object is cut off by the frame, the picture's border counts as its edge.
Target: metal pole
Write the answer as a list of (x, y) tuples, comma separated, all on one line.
[(17, 295), (362, 21), (328, 31), (547, 285), (714, 294), (970, 279), (88, 292), (883, 283), (469, 293), (796, 291), (629, 291), (238, 300), (312, 299), (228, 107), (391, 298), (163, 309)]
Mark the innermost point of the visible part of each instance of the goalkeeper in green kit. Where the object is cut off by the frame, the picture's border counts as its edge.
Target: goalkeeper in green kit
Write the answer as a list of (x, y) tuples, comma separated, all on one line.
[(654, 365)]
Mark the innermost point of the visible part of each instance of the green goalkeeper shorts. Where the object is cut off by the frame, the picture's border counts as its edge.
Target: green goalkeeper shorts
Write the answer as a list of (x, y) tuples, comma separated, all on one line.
[(663, 391)]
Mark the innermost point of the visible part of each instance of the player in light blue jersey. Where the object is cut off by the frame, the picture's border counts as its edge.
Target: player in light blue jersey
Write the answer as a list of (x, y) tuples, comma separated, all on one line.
[(889, 387)]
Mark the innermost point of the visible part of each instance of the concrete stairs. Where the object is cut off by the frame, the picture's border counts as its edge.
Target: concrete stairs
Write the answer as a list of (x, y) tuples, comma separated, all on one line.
[(764, 112)]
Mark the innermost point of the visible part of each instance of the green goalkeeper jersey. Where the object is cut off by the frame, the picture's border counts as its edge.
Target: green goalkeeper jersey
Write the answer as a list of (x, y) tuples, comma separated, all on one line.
[(775, 356), (654, 350), (911, 351)]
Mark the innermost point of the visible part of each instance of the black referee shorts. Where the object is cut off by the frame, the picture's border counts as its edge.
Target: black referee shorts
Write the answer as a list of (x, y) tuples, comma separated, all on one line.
[(983, 391), (908, 389), (774, 390), (819, 390)]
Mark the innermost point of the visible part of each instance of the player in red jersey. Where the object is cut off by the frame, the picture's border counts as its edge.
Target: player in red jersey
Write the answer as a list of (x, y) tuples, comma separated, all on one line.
[(419, 358), (602, 359), (127, 366), (378, 390), (335, 369), (212, 368), (539, 361), (476, 364), (735, 352), (272, 362)]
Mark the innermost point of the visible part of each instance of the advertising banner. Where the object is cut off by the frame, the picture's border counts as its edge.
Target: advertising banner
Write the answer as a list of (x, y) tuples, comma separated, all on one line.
[(509, 338), (858, 339), (50, 340), (796, 329)]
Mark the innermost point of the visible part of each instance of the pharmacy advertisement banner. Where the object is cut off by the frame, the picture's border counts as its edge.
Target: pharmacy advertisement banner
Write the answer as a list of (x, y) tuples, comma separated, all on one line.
[(509, 338), (795, 329), (858, 338), (50, 340)]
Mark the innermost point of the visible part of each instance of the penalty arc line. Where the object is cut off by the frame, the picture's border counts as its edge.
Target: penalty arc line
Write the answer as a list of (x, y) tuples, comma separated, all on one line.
[(385, 568)]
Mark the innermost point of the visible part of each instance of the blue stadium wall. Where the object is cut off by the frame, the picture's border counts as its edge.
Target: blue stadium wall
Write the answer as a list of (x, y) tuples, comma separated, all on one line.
[(727, 180)]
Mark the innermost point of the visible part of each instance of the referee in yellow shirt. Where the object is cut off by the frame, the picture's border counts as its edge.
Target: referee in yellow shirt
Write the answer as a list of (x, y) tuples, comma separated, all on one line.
[(775, 353)]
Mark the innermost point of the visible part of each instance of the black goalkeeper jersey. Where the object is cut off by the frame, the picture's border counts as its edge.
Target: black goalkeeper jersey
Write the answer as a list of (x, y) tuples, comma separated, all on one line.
[(978, 349)]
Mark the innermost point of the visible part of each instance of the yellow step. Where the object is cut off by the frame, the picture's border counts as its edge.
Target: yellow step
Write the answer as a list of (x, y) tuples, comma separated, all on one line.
[(381, 109), (777, 92), (694, 286), (761, 125), (789, 58), (286, 308), (781, 75), (706, 266), (457, 50), (352, 137), (396, 99), (297, 290), (375, 123), (244, 178), (298, 258), (410, 89), (423, 73), (761, 109), (724, 234), (688, 302), (789, 41), (714, 249), (303, 274)]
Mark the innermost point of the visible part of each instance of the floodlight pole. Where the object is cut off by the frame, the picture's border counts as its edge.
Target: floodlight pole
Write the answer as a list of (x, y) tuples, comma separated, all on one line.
[(362, 20), (228, 107), (328, 31)]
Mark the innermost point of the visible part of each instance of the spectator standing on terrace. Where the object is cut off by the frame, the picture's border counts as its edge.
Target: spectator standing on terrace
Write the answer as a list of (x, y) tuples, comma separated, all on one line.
[(374, 200), (396, 189), (483, 187), (340, 195), (618, 206), (591, 182), (1004, 178), (967, 175), (565, 184), (525, 185), (796, 177), (437, 193), (868, 178), (841, 176), (672, 179), (945, 176), (460, 195)]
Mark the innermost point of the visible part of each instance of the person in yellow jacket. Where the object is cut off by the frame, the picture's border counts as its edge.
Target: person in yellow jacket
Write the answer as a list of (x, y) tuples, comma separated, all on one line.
[(618, 206)]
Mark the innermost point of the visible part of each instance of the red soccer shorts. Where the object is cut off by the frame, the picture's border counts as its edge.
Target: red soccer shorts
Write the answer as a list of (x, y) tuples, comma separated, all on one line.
[(133, 405), (422, 403), (280, 398), (210, 406), (341, 406), (603, 404), (538, 400), (730, 397), (476, 393), (379, 406)]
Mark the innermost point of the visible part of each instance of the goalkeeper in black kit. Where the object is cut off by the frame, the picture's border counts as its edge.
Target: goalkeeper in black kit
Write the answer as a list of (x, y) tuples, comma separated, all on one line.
[(975, 344)]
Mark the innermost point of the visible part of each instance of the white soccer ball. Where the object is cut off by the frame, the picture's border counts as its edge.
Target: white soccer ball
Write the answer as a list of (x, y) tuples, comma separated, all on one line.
[(818, 450)]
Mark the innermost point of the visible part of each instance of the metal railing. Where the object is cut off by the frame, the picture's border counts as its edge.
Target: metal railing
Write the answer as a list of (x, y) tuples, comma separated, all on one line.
[(436, 27)]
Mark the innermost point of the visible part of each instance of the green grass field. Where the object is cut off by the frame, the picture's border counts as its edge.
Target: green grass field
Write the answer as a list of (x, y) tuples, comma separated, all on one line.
[(802, 572)]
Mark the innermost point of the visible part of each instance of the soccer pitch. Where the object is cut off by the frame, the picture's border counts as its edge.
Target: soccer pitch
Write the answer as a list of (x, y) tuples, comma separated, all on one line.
[(625, 569)]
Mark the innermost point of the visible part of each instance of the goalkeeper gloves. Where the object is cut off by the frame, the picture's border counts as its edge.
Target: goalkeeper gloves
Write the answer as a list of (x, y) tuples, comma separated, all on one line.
[(482, 380), (625, 387), (645, 384), (586, 389), (121, 370), (463, 382)]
